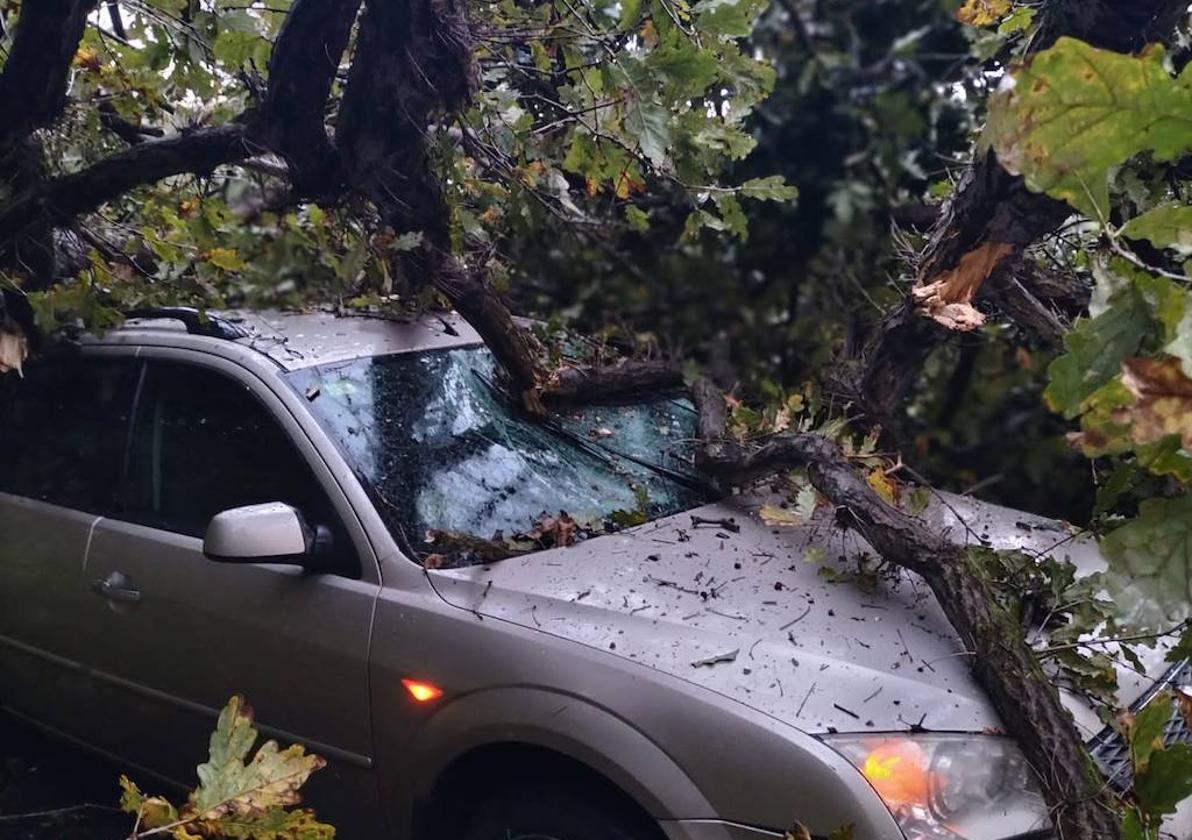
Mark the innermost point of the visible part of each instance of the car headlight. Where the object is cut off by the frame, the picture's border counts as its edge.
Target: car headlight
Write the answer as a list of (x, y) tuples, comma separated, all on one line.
[(945, 787)]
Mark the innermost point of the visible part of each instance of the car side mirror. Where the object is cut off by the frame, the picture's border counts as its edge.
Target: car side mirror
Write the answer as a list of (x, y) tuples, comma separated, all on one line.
[(273, 532)]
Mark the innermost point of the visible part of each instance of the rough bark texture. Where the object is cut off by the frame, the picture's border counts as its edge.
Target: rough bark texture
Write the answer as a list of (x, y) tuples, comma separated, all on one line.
[(597, 384), (991, 207), (1002, 663), (302, 69), (32, 95), (413, 59), (33, 84)]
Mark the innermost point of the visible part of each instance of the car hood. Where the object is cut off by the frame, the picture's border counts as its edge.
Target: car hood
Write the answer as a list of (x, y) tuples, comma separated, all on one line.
[(775, 617)]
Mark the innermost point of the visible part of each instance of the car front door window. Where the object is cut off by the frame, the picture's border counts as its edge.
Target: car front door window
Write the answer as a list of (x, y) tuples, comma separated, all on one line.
[(202, 444)]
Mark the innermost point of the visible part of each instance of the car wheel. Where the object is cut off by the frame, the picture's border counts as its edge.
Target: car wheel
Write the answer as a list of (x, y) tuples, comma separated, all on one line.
[(551, 812)]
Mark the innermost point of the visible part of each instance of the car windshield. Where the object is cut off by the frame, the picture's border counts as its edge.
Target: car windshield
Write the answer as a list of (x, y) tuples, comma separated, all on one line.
[(444, 453)]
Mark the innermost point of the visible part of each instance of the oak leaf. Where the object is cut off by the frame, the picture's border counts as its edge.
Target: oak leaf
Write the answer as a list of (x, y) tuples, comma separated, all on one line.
[(1076, 111)]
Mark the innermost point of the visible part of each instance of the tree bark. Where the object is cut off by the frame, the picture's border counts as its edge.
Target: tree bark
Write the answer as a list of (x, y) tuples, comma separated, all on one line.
[(412, 59), (302, 69), (33, 84)]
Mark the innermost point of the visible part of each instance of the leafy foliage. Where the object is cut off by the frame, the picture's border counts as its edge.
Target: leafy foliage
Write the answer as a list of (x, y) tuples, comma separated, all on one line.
[(1073, 117), (238, 797), (1076, 111), (1151, 561)]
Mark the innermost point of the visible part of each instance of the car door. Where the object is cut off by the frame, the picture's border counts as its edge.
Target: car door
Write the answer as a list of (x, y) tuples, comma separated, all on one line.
[(175, 634), (63, 427)]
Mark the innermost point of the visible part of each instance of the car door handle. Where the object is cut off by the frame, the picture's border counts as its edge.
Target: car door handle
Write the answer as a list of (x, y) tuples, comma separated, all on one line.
[(117, 586)]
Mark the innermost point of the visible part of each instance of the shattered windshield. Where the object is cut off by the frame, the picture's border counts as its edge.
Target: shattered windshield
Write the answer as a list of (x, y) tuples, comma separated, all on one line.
[(461, 476)]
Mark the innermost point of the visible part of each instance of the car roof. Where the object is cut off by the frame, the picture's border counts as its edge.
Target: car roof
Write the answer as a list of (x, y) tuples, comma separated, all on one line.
[(297, 340)]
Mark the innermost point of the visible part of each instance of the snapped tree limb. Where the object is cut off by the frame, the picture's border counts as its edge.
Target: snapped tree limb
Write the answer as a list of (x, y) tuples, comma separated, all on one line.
[(990, 220), (33, 84)]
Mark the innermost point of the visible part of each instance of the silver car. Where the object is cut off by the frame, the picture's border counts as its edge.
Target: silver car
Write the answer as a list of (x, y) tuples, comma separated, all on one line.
[(299, 508)]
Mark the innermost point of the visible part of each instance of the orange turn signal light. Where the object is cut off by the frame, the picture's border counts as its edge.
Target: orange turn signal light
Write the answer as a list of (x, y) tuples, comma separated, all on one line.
[(422, 692), (897, 769)]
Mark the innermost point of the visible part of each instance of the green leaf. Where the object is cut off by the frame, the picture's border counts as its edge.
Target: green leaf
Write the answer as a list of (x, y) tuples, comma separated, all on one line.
[(637, 218), (1167, 781), (1096, 348), (1180, 345), (631, 12), (685, 70), (1019, 20), (1150, 562), (770, 188), (1076, 111), (1166, 226), (237, 792), (734, 217), (727, 18), (1146, 730), (225, 258), (153, 811), (649, 123)]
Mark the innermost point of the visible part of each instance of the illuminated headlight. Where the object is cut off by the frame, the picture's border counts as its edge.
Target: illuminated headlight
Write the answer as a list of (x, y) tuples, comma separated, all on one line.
[(949, 787)]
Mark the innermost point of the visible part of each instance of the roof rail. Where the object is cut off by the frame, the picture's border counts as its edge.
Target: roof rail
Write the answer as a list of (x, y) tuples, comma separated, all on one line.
[(196, 322)]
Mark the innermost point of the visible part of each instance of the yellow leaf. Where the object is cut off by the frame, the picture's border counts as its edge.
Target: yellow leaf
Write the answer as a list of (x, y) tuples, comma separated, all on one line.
[(983, 12), (86, 59), (775, 515), (882, 485), (225, 258)]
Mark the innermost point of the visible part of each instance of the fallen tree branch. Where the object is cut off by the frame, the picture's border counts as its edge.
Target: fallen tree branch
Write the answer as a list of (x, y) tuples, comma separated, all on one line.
[(1003, 664), (381, 134), (600, 383), (61, 199)]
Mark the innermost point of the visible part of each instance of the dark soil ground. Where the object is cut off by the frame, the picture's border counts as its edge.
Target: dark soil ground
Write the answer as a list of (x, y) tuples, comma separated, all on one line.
[(52, 791)]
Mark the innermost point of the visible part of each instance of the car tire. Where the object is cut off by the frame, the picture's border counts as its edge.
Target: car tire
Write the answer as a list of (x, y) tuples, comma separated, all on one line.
[(546, 811)]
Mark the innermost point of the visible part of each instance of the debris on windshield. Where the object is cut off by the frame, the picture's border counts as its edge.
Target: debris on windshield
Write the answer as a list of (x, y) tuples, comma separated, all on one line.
[(312, 392), (731, 656), (453, 549), (601, 432), (554, 531)]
